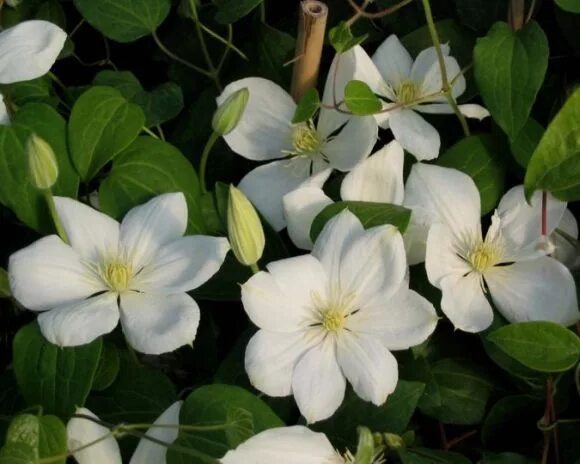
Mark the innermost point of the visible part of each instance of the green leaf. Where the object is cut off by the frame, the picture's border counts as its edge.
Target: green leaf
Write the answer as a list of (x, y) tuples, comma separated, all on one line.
[(102, 124), (52, 11), (515, 412), (457, 394), (541, 346), (370, 215), (30, 438), (240, 426), (124, 20), (35, 90), (108, 367), (509, 69), (269, 51), (58, 379), (230, 11), (160, 105), (341, 38), (555, 165), (4, 284), (138, 394), (307, 106), (571, 6), (429, 456), (146, 168), (360, 99), (477, 156), (526, 142), (16, 190), (392, 417), (213, 405)]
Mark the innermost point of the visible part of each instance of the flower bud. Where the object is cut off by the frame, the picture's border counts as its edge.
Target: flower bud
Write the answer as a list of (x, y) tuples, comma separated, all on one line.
[(244, 229), (13, 3), (365, 451), (229, 113), (42, 164), (393, 441)]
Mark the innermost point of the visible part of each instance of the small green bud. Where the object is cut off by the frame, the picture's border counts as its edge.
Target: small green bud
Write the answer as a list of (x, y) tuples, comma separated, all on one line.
[(244, 229), (393, 441), (42, 164), (365, 451), (229, 113)]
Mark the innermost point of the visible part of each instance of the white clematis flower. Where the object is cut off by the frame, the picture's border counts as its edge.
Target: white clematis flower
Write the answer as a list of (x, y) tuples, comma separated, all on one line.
[(509, 264), (379, 178), (27, 51), (82, 432), (411, 87), (287, 445), (265, 133), (334, 315), (137, 271)]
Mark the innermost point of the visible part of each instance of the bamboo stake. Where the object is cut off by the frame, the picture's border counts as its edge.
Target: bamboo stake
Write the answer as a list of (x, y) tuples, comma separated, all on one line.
[(311, 30)]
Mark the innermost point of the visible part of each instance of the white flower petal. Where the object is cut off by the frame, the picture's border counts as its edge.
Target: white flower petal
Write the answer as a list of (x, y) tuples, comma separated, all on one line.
[(264, 130), (566, 252), (441, 258), (92, 234), (266, 186), (401, 322), (352, 144), (465, 304), (272, 356), (375, 263), (538, 290), (335, 239), (81, 432), (354, 64), (318, 383), (393, 61), (281, 300), (4, 116), (432, 82), (284, 445), (415, 134), (379, 178), (147, 227), (415, 237), (148, 452), (182, 265), (50, 273), (300, 208), (444, 195), (424, 61), (369, 367), (79, 323), (469, 110), (28, 50), (521, 223), (155, 324)]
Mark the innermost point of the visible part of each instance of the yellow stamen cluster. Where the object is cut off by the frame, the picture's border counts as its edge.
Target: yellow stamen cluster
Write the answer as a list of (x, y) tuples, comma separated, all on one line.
[(335, 308), (333, 320), (484, 256), (407, 92), (305, 139), (117, 275)]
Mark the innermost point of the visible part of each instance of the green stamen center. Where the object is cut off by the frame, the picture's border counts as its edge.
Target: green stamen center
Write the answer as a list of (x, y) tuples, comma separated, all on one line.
[(407, 92), (305, 139)]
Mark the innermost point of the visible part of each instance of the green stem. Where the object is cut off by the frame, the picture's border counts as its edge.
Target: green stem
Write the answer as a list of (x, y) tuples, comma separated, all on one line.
[(160, 132), (212, 69), (443, 69), (61, 457), (149, 132), (204, 156), (226, 42), (186, 428), (52, 209), (180, 60), (263, 11), (254, 267)]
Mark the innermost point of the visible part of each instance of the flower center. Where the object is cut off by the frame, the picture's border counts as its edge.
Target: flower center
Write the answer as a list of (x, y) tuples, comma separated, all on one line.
[(407, 92), (118, 275), (305, 139), (484, 256), (333, 320)]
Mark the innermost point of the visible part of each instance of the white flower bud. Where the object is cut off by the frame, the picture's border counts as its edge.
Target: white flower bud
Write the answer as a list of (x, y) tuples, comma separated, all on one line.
[(229, 113), (244, 229), (42, 164)]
